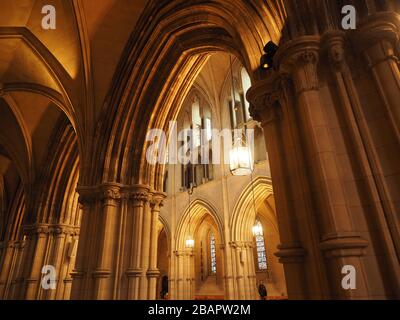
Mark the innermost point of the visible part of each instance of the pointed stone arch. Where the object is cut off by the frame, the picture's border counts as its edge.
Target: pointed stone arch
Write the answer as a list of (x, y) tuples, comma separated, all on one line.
[(173, 44), (244, 215), (192, 217)]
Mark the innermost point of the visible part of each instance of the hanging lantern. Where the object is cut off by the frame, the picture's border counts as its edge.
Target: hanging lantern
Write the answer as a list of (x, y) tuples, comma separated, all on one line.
[(240, 159), (189, 243)]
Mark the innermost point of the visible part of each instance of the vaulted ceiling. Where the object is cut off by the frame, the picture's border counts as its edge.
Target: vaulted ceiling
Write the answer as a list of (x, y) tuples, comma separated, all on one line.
[(49, 74), (68, 72)]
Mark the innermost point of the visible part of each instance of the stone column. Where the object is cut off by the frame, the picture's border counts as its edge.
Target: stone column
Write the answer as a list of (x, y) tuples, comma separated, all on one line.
[(33, 263), (381, 214), (139, 195), (153, 273), (8, 249), (81, 281), (339, 243), (251, 271), (239, 276), (180, 275), (172, 276), (145, 251), (269, 105), (102, 274), (378, 41)]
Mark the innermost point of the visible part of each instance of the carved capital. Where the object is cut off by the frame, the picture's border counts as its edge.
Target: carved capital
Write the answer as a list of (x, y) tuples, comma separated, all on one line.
[(138, 194), (110, 192), (299, 59), (52, 229), (334, 44), (265, 99), (379, 38)]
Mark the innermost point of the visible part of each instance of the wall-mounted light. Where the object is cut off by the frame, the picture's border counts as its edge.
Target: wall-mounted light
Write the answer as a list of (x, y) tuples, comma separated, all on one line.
[(257, 229), (189, 243), (267, 60)]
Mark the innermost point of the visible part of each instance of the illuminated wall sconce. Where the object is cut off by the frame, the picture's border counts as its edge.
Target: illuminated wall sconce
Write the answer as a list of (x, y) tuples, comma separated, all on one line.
[(189, 243), (257, 229)]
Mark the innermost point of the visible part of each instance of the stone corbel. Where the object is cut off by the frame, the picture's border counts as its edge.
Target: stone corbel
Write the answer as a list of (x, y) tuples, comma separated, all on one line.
[(157, 201), (87, 195), (265, 99), (334, 44)]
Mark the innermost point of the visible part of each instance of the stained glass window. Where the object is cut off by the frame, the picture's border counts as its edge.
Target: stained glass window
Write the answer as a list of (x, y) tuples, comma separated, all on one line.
[(260, 243), (213, 254)]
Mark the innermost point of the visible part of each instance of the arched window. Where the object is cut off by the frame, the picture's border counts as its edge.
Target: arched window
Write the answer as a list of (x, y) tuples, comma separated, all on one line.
[(213, 254), (260, 244), (196, 122), (246, 84), (239, 109)]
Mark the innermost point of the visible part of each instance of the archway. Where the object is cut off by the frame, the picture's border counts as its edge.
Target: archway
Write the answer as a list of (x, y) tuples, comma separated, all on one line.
[(193, 265), (269, 271), (208, 258)]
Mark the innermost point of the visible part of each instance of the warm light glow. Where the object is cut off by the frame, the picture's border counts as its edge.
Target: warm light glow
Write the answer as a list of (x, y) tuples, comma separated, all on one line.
[(241, 162), (257, 229), (189, 243)]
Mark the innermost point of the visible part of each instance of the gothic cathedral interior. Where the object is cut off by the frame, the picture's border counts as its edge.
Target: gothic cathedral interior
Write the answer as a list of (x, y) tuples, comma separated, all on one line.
[(199, 149)]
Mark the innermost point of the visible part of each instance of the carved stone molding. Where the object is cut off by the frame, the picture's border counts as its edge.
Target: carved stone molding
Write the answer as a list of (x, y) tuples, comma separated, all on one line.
[(10, 244), (183, 253), (101, 273), (52, 229), (77, 274), (114, 192), (343, 246), (133, 273), (153, 273), (291, 253), (241, 244)]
